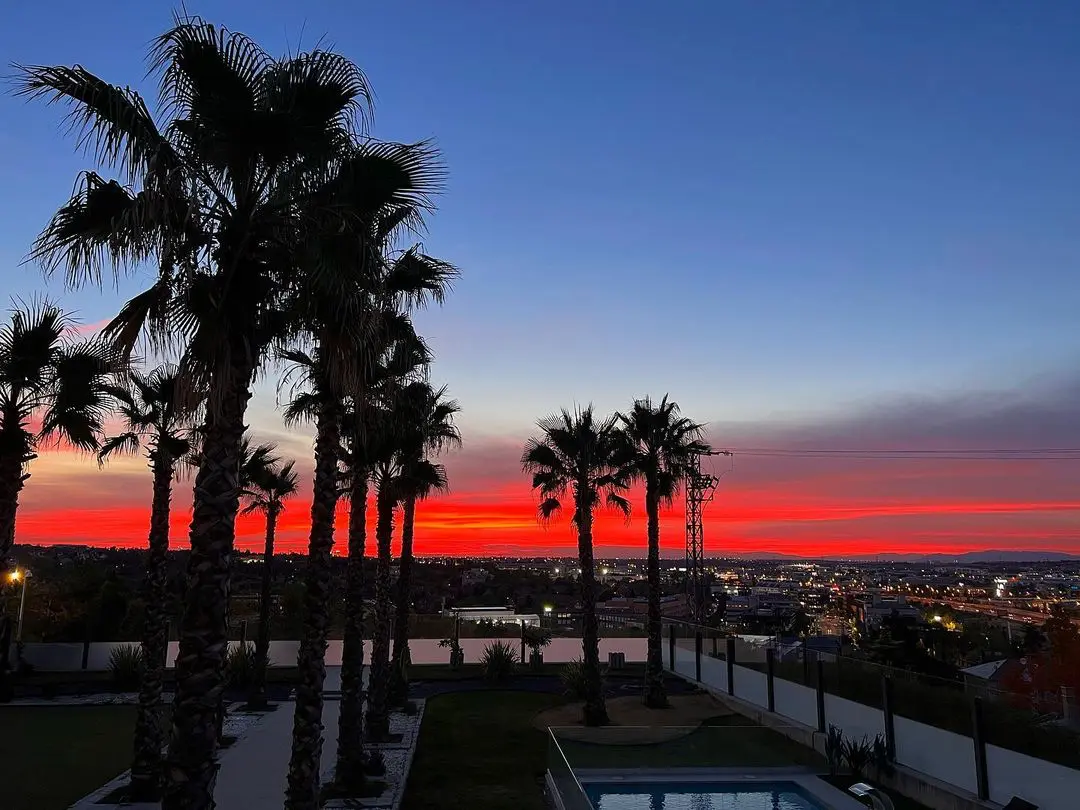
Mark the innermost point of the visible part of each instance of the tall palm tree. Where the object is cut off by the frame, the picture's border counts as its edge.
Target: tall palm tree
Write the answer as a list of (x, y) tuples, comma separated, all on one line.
[(664, 446), (583, 457), (349, 324), (428, 429), (71, 385), (269, 483), (367, 427), (155, 417), (217, 195)]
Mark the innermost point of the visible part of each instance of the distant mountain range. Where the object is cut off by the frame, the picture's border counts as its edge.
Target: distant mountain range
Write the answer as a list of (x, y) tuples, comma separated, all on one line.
[(992, 555)]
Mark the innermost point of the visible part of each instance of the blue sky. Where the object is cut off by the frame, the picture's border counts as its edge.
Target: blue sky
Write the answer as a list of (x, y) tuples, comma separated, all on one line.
[(769, 209)]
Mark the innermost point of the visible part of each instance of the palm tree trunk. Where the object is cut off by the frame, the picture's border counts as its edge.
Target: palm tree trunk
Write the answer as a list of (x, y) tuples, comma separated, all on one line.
[(655, 696), (146, 765), (200, 666), (11, 483), (399, 685), (349, 770), (378, 720), (595, 711), (303, 789), (257, 694)]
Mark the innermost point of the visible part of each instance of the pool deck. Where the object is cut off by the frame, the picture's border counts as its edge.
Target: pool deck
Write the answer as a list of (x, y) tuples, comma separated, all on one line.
[(824, 793)]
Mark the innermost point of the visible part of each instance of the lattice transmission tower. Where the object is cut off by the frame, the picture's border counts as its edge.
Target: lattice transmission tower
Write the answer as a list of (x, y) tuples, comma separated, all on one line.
[(700, 488)]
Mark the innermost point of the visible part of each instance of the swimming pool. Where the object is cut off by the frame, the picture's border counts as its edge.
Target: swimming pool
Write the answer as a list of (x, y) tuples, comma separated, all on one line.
[(701, 796)]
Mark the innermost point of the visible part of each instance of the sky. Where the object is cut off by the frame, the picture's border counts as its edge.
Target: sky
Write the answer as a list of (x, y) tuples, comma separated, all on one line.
[(829, 225)]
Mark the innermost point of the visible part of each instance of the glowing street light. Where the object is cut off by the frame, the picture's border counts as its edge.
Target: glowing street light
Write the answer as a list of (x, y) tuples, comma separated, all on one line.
[(20, 576)]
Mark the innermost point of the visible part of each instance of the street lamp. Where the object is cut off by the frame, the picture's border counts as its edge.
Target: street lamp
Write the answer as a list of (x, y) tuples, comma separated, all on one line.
[(20, 576)]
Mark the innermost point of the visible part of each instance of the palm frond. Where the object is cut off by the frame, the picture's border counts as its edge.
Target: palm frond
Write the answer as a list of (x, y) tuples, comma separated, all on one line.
[(114, 123)]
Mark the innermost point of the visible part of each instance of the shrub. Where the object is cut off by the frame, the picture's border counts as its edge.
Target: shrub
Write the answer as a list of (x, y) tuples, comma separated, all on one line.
[(881, 759), (834, 749), (240, 666), (857, 754), (125, 666), (573, 679), (498, 661), (536, 638)]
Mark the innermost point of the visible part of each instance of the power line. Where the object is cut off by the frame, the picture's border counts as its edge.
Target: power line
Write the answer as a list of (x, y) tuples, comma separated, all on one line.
[(898, 454)]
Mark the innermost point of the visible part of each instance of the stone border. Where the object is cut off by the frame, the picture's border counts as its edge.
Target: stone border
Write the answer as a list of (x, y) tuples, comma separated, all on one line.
[(397, 757), (237, 724)]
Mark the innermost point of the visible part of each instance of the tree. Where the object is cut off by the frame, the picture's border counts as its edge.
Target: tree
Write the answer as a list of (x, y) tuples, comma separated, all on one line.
[(217, 195), (584, 458), (269, 483), (349, 324), (155, 417), (366, 428), (663, 448), (45, 374), (428, 423)]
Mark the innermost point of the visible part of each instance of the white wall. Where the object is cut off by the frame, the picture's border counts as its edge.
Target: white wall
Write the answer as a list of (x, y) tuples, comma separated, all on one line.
[(942, 754), (1044, 784), (751, 685), (68, 657), (796, 701), (938, 753), (856, 719)]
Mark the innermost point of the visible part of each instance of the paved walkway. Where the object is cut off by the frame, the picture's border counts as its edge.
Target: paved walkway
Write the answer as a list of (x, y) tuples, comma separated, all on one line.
[(255, 770)]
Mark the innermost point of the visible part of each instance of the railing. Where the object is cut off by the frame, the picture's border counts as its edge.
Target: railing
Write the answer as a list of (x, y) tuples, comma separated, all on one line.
[(569, 794), (979, 744)]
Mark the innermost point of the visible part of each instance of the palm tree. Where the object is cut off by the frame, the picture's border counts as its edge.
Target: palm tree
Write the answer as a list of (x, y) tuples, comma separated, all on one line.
[(367, 427), (155, 417), (218, 196), (664, 447), (585, 458), (269, 483), (349, 324), (429, 429), (71, 385)]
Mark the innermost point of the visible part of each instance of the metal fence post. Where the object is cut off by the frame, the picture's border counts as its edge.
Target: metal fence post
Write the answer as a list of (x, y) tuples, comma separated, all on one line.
[(697, 655), (731, 665), (671, 647), (770, 676), (978, 736), (890, 720), (820, 696)]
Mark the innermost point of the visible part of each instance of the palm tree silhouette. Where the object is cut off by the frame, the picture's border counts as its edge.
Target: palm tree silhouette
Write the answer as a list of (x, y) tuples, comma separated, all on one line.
[(663, 446), (428, 429), (583, 457), (72, 384), (268, 484), (155, 417)]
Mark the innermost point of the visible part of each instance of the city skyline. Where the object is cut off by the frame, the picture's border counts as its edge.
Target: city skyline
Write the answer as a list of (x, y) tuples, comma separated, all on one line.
[(831, 257)]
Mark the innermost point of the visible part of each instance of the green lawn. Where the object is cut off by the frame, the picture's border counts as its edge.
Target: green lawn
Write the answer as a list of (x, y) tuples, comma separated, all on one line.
[(725, 742), (479, 749), (51, 756)]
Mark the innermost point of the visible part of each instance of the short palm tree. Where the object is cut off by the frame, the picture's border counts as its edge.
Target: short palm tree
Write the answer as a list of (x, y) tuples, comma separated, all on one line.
[(580, 456), (664, 446), (268, 483), (428, 422), (155, 417), (71, 385)]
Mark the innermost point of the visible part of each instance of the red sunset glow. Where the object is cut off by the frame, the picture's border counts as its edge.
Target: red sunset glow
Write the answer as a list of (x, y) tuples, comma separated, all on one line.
[(795, 507)]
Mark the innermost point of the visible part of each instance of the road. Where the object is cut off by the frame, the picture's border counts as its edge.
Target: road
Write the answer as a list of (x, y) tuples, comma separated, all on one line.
[(1011, 613)]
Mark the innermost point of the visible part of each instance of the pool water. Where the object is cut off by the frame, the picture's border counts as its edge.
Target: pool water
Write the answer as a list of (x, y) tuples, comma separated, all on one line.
[(701, 796)]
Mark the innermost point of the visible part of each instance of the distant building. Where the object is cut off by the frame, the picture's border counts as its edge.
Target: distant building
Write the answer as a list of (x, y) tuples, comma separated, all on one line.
[(495, 615), (872, 610)]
